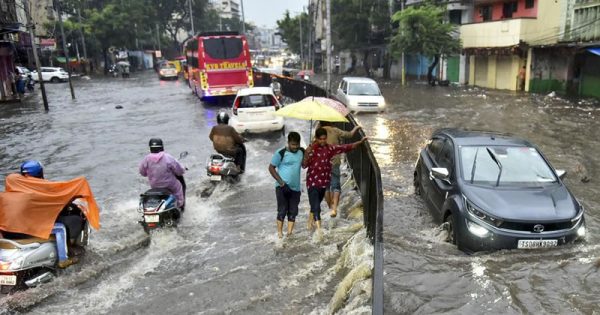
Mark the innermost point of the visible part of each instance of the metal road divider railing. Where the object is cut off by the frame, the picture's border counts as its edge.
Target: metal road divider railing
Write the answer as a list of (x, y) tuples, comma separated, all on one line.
[(366, 174)]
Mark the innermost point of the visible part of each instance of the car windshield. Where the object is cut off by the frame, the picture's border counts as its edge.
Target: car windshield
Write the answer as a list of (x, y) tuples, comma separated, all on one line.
[(504, 166), (256, 101), (363, 89)]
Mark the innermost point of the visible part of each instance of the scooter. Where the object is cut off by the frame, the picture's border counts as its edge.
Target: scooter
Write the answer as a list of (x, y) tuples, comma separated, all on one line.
[(30, 83), (27, 261), (221, 167), (158, 207)]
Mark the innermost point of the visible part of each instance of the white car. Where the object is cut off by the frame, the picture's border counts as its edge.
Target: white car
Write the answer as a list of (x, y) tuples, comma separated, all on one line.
[(52, 74), (254, 111), (361, 95)]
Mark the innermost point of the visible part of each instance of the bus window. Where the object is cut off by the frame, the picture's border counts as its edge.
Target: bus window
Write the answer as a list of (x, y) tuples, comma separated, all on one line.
[(223, 48)]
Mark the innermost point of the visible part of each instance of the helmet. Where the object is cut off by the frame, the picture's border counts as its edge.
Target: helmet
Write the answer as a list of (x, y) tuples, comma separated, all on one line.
[(223, 118), (156, 145), (32, 168)]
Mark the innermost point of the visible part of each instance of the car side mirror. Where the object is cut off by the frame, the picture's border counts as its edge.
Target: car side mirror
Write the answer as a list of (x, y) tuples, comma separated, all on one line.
[(440, 173), (561, 174)]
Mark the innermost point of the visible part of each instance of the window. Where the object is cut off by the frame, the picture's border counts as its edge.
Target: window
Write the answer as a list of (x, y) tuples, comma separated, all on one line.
[(455, 17), (508, 9), (446, 157), (251, 101), (223, 48), (192, 53), (529, 4), (486, 12), (363, 89)]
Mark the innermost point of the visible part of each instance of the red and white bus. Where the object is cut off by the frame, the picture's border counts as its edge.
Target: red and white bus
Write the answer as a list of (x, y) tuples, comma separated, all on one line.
[(219, 64)]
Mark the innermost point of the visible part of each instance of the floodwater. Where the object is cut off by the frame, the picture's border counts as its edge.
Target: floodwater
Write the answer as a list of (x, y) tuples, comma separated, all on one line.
[(224, 257), (425, 275)]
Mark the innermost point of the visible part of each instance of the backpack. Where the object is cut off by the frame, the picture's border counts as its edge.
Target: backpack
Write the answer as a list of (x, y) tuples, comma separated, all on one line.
[(282, 152)]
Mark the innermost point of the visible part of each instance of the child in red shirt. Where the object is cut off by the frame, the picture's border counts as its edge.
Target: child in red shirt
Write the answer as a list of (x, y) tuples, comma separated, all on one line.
[(318, 160)]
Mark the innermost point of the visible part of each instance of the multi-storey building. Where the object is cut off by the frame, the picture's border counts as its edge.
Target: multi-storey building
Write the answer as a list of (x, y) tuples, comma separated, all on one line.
[(500, 41), (227, 9)]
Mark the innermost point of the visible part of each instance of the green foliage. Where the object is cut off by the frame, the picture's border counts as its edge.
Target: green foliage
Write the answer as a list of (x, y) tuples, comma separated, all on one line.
[(289, 28), (422, 30), (359, 24)]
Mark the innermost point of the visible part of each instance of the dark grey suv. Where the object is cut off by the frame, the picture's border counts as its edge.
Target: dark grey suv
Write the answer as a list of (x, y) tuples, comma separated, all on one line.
[(496, 191)]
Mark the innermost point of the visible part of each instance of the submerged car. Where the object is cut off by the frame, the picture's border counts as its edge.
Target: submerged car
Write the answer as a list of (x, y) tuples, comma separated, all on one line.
[(52, 74), (168, 71), (361, 95), (496, 191), (254, 111)]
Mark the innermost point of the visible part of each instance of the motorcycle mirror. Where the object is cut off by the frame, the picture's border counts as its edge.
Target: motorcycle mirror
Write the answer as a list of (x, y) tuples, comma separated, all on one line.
[(183, 154)]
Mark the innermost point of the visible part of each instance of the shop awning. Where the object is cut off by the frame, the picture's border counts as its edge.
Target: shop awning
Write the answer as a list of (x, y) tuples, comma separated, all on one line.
[(595, 51)]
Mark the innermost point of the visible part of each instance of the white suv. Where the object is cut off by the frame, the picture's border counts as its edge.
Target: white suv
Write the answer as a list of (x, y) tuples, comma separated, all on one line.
[(52, 74), (361, 95), (254, 111)]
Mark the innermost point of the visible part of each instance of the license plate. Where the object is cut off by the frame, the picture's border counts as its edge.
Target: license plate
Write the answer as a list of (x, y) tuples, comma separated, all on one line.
[(151, 218), (8, 280), (537, 243), (215, 177)]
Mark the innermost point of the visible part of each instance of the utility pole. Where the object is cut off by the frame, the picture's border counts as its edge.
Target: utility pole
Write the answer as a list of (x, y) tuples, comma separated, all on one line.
[(81, 31), (64, 44), (310, 61), (403, 65), (243, 19), (328, 42), (30, 27), (301, 53), (191, 17)]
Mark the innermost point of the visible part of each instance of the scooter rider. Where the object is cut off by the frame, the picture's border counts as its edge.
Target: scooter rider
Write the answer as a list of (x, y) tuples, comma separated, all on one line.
[(33, 168), (227, 141), (163, 171)]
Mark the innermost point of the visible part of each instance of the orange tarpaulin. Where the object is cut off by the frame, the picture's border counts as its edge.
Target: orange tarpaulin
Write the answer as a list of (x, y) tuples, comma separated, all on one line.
[(31, 205)]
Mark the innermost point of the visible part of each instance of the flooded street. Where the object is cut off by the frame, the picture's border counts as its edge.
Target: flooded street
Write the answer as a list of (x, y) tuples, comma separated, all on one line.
[(224, 257), (424, 275)]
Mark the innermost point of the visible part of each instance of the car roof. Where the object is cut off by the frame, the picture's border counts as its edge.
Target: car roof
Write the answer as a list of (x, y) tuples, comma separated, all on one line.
[(359, 80), (481, 137), (255, 90)]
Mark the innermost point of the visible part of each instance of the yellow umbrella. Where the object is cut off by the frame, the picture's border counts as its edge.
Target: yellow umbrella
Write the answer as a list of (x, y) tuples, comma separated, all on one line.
[(309, 109)]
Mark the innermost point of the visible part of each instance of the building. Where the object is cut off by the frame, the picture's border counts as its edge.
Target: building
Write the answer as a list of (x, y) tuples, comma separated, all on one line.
[(500, 41), (228, 9), (10, 27)]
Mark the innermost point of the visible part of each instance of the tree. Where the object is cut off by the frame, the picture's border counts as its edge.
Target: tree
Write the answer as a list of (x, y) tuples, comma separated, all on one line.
[(289, 29), (370, 27), (422, 30)]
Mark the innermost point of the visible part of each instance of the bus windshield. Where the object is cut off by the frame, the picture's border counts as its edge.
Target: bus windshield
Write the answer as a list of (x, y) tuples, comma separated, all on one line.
[(223, 48)]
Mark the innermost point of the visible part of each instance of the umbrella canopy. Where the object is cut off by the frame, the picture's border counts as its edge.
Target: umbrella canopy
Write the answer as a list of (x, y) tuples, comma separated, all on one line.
[(306, 72), (123, 63), (331, 103), (309, 109)]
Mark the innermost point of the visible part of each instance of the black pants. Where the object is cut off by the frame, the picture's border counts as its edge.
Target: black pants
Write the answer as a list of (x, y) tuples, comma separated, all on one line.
[(240, 156)]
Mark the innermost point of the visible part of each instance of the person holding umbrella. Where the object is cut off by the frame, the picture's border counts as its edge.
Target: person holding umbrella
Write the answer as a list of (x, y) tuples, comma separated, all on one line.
[(317, 158)]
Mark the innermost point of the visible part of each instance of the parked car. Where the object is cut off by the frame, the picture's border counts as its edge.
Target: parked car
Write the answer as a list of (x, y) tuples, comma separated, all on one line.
[(23, 71), (167, 71), (52, 74), (496, 191), (254, 111), (361, 94)]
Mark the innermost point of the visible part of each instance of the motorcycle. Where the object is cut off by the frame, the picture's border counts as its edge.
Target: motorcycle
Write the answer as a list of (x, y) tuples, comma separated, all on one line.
[(158, 206), (114, 71), (30, 83), (27, 261)]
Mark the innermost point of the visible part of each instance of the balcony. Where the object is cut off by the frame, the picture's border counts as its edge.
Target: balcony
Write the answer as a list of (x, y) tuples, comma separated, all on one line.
[(506, 33)]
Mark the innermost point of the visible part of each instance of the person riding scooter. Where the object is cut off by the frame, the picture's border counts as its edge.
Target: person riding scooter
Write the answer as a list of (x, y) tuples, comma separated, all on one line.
[(33, 168), (163, 171), (228, 142)]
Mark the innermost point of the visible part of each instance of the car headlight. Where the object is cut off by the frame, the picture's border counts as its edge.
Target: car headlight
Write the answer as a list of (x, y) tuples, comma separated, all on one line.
[(579, 214), (478, 213)]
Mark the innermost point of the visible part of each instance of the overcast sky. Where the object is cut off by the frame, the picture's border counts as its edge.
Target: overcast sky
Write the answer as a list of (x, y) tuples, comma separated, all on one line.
[(267, 12)]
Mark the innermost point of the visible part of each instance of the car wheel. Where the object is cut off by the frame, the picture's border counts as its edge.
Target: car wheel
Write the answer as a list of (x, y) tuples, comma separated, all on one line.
[(450, 228), (417, 182), (55, 80)]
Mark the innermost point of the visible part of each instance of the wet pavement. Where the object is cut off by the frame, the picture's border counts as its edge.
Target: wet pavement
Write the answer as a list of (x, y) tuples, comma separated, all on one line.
[(425, 275), (224, 257)]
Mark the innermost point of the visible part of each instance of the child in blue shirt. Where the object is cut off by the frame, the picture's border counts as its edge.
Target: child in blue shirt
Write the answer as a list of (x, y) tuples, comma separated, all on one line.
[(285, 168)]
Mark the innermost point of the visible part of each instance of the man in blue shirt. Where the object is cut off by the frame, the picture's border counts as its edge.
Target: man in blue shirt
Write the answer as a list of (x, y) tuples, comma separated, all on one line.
[(285, 168)]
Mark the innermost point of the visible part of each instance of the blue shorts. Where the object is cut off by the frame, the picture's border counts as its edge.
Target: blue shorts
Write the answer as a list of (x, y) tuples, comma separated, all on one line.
[(287, 205), (335, 184), (315, 196)]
